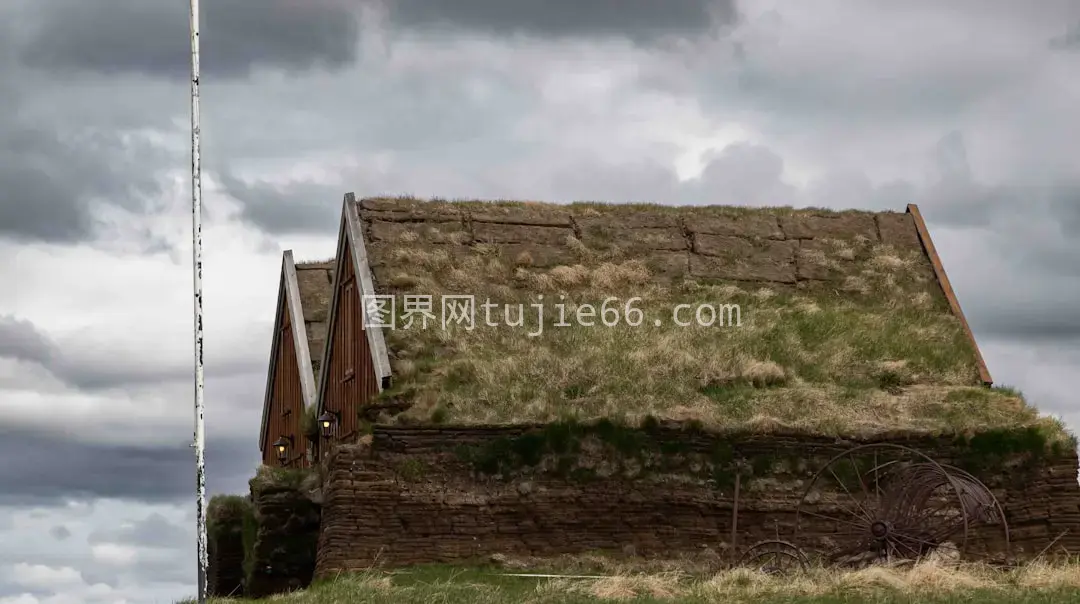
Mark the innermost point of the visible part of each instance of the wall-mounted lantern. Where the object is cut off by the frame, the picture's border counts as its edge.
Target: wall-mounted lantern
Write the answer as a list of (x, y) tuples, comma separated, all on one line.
[(327, 421), (282, 445)]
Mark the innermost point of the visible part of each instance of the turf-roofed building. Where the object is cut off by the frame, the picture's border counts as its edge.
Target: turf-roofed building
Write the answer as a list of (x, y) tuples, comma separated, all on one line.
[(538, 379)]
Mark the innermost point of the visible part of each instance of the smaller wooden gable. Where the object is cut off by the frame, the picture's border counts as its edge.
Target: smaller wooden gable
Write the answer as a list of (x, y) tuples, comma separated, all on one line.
[(295, 357)]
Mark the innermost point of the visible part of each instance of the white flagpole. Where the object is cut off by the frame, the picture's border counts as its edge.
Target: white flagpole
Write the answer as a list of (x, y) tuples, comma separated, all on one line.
[(196, 251)]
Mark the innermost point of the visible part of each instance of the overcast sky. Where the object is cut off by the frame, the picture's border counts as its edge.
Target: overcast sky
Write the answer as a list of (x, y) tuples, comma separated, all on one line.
[(966, 107)]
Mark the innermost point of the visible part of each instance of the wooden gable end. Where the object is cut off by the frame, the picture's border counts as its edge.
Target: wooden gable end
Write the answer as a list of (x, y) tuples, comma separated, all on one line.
[(349, 373), (290, 383), (286, 400)]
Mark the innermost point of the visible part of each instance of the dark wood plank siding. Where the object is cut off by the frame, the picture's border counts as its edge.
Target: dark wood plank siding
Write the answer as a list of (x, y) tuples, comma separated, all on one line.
[(351, 382), (287, 400)]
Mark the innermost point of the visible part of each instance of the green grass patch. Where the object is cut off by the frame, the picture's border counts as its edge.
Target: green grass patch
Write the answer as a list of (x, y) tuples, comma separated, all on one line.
[(411, 469), (560, 449), (232, 517), (269, 477)]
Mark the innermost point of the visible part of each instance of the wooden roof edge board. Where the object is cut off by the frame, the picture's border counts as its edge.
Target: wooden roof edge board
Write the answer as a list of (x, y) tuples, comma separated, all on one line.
[(347, 231), (275, 340), (376, 341), (946, 286), (299, 332)]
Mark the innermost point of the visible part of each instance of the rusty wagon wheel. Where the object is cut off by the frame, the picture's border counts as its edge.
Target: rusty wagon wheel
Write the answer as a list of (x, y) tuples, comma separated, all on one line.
[(982, 507), (882, 502), (775, 557)]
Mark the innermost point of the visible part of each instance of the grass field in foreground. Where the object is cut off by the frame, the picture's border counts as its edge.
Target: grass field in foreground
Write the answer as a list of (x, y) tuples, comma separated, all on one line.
[(925, 582)]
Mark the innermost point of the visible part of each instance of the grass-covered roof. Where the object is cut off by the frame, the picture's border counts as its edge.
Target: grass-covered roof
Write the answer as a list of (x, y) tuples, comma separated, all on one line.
[(315, 283), (844, 327)]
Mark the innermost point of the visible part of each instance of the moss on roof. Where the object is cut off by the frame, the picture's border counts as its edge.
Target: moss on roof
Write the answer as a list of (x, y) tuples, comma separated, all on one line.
[(844, 328)]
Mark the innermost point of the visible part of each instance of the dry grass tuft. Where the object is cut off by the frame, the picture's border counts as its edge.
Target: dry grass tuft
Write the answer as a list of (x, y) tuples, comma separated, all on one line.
[(609, 276), (1044, 575), (315, 263), (923, 578), (763, 374), (661, 586)]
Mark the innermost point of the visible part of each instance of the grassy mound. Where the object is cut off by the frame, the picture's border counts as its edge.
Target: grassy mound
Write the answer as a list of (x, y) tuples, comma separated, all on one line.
[(227, 515)]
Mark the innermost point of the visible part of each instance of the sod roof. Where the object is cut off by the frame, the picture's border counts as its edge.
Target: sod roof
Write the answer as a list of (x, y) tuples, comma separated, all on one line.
[(315, 283), (845, 328)]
